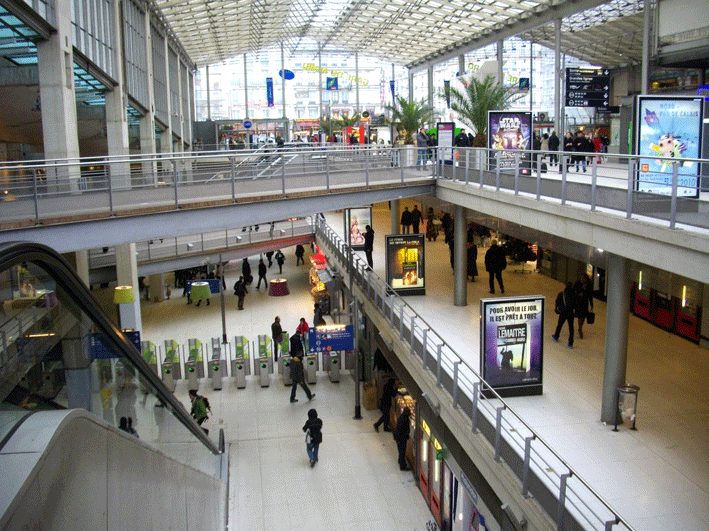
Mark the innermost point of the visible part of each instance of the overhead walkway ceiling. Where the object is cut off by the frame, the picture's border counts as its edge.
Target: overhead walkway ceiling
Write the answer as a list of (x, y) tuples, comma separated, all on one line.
[(407, 32)]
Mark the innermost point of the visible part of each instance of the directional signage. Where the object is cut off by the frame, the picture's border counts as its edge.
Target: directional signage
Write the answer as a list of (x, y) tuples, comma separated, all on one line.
[(332, 338), (588, 87)]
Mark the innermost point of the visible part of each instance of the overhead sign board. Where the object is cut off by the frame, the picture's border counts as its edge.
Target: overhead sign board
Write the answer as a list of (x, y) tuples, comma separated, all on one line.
[(588, 87), (332, 338)]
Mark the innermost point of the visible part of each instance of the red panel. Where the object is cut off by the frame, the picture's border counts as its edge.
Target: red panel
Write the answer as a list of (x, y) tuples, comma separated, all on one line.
[(436, 508), (663, 318), (641, 307), (687, 326), (423, 485)]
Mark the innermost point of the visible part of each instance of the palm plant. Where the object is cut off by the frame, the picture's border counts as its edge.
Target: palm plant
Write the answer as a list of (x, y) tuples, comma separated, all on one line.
[(409, 116), (329, 124), (350, 121), (473, 103)]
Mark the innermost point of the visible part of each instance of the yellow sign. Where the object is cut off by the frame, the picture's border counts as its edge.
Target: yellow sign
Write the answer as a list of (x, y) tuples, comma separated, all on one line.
[(335, 73)]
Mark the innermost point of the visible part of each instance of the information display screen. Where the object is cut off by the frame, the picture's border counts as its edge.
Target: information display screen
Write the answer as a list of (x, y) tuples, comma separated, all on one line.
[(588, 87)]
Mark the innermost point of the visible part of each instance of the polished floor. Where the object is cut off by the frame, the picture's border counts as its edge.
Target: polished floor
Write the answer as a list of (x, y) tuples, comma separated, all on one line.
[(656, 477)]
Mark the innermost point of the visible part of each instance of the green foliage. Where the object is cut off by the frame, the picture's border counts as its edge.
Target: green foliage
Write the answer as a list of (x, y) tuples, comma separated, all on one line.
[(477, 98), (409, 117), (350, 121), (336, 125)]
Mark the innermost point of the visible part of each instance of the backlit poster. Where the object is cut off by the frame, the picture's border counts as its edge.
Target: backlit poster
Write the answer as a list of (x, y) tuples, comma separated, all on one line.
[(445, 137), (668, 127), (405, 263), (510, 133), (512, 341), (356, 221)]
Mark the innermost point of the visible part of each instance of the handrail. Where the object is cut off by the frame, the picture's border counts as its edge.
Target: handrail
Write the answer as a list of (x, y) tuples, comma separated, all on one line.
[(358, 265), (15, 253)]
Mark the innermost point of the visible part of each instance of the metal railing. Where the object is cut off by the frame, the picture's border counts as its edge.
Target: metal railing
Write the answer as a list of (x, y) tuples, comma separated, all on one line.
[(541, 471)]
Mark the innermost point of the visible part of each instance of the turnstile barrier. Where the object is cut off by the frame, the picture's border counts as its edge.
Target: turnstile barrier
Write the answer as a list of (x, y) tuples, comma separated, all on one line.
[(284, 363), (194, 364), (310, 366), (217, 365), (241, 363), (171, 370)]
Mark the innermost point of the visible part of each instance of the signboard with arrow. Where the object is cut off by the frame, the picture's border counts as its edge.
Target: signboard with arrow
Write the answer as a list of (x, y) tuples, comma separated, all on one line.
[(588, 87)]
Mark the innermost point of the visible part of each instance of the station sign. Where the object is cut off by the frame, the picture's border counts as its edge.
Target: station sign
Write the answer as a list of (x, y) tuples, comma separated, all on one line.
[(588, 87), (330, 338)]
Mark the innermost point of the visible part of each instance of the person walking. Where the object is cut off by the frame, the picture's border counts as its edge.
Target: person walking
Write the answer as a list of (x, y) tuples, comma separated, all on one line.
[(580, 148), (313, 436), (246, 272), (406, 221), (416, 218), (401, 435), (317, 315), (584, 297), (388, 393), (553, 148), (199, 408), (369, 244), (269, 256), (473, 260), (565, 306), (280, 260), (240, 291), (568, 148), (277, 335), (261, 274), (495, 264), (299, 252), (297, 372)]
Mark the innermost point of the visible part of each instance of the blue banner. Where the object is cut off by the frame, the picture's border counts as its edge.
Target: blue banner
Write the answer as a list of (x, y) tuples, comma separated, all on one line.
[(393, 94), (447, 89), (333, 338), (269, 91), (331, 83)]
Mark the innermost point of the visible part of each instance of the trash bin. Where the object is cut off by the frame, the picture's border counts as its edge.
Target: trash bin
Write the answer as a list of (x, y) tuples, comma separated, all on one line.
[(217, 366), (627, 402), (310, 365), (284, 368)]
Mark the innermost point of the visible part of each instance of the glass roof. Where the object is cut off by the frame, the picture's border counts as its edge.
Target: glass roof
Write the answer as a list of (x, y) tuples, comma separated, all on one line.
[(405, 32)]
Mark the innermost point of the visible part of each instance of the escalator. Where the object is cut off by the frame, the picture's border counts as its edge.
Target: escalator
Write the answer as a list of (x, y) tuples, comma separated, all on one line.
[(71, 384)]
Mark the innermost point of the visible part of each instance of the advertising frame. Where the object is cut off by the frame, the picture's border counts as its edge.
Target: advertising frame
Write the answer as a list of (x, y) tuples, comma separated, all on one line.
[(400, 268), (354, 235), (512, 344), (675, 123), (517, 129), (445, 131)]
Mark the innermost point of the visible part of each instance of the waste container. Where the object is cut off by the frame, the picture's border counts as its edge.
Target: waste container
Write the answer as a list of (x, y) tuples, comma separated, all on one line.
[(217, 366), (332, 360), (284, 368), (194, 364), (627, 402), (241, 364), (171, 370), (310, 365)]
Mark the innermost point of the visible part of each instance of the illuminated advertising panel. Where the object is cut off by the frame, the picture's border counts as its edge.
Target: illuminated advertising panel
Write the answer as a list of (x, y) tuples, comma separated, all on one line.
[(405, 263), (356, 221), (668, 127), (509, 132), (512, 341)]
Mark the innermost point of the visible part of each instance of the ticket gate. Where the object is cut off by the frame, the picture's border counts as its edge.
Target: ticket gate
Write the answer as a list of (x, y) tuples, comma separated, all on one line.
[(331, 360), (284, 363), (171, 370), (217, 366), (194, 364), (241, 364), (265, 350), (262, 369), (150, 354), (310, 366)]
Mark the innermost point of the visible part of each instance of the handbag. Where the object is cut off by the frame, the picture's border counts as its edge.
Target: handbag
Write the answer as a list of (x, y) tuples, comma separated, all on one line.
[(590, 318)]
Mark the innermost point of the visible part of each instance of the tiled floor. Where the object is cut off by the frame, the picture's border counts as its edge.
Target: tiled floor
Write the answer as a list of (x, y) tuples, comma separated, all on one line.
[(657, 476)]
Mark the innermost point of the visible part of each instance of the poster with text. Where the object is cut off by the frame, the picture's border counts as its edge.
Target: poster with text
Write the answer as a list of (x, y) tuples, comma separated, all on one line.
[(671, 128), (509, 133), (445, 134), (405, 263), (356, 221), (512, 340)]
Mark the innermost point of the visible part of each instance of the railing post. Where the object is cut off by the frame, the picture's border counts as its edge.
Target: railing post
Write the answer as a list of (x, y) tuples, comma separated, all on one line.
[(516, 173), (467, 166), (455, 173), (391, 312), (631, 185), (366, 165), (36, 196), (483, 155), (498, 431), (233, 179), (110, 191), (562, 501), (439, 353), (564, 174), (382, 296), (673, 201), (527, 457), (594, 183), (476, 398), (283, 174), (455, 383), (401, 322), (174, 180), (327, 170), (497, 171), (424, 347), (403, 154), (412, 336)]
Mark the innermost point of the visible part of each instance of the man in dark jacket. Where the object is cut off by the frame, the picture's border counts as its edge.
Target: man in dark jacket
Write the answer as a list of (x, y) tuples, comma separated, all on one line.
[(369, 244), (568, 148), (299, 252), (416, 218), (406, 221), (495, 264), (261, 274), (566, 312), (388, 393), (461, 139), (297, 373), (401, 435), (553, 147), (277, 335), (246, 272), (580, 148), (240, 291), (313, 427), (269, 255)]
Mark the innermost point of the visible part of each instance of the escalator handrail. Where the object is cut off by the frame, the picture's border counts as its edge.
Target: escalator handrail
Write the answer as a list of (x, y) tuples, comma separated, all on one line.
[(14, 253)]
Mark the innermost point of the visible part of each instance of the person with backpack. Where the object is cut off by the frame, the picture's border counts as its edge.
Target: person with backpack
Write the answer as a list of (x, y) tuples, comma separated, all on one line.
[(313, 436), (564, 306), (280, 260), (200, 405)]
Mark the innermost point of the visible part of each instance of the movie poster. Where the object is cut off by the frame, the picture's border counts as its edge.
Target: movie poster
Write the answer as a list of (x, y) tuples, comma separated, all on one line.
[(668, 127), (405, 263), (512, 340), (509, 132), (356, 221)]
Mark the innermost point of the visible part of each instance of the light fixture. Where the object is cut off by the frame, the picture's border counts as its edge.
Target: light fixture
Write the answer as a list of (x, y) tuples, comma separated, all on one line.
[(684, 296), (278, 287), (283, 232), (640, 280), (123, 295), (238, 239), (189, 246)]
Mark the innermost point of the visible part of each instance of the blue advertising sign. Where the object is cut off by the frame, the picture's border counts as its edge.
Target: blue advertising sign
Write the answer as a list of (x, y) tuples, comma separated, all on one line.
[(247, 124), (286, 74), (331, 83), (99, 348), (393, 92), (331, 338), (269, 91)]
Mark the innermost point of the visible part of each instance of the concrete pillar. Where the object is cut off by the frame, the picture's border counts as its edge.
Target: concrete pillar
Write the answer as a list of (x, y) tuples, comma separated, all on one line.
[(558, 98), (55, 63), (500, 56), (411, 85), (357, 109), (461, 64), (77, 368), (157, 287), (82, 265), (127, 274), (430, 87), (146, 124), (283, 91), (617, 320), (395, 217), (460, 258)]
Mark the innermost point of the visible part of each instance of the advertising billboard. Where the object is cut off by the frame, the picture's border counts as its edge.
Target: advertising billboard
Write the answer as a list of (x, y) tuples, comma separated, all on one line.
[(509, 132), (512, 341), (356, 220), (446, 133), (668, 127), (405, 263)]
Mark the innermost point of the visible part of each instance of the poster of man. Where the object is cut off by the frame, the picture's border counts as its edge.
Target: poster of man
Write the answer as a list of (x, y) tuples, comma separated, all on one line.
[(509, 132)]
